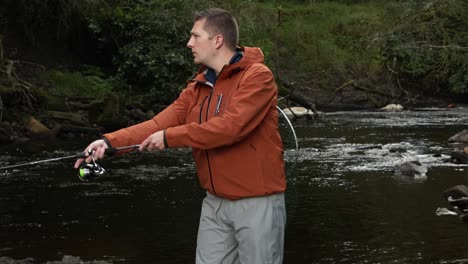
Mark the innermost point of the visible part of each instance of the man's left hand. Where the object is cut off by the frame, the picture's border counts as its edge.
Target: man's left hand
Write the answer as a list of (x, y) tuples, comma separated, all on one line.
[(155, 141)]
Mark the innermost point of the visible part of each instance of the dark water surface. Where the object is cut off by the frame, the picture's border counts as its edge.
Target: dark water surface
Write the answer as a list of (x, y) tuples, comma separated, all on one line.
[(344, 203)]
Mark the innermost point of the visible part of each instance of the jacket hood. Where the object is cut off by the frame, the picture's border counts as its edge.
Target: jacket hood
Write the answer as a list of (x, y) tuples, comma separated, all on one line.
[(252, 55)]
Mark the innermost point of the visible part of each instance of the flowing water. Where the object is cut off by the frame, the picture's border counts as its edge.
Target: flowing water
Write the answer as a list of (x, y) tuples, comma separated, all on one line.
[(345, 205)]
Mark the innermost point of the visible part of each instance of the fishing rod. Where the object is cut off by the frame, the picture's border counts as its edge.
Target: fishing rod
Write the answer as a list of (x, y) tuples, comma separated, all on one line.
[(87, 171)]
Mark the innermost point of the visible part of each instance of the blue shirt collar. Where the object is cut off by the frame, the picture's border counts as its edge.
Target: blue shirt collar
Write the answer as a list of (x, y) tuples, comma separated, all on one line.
[(210, 74)]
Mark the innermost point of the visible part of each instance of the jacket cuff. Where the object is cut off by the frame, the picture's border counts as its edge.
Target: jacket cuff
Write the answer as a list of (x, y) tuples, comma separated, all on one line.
[(164, 139), (109, 145), (110, 150)]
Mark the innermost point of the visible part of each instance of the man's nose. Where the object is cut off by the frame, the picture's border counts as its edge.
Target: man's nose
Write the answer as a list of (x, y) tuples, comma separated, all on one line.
[(189, 43)]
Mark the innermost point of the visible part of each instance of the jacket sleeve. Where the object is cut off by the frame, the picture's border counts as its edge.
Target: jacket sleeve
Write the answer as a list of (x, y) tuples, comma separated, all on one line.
[(173, 115), (249, 105)]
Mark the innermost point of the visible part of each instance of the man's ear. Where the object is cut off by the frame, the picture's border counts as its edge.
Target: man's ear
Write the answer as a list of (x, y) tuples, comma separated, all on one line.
[(219, 41)]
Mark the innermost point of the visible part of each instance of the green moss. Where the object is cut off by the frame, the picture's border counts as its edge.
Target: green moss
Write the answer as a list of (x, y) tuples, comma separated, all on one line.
[(65, 83)]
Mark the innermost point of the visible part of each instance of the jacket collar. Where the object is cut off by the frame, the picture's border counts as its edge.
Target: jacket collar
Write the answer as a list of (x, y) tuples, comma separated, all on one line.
[(244, 57), (210, 74)]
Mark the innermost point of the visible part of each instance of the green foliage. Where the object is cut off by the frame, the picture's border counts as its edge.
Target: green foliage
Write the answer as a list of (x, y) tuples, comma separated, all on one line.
[(75, 84), (311, 42), (430, 44), (150, 39), (324, 43), (51, 25)]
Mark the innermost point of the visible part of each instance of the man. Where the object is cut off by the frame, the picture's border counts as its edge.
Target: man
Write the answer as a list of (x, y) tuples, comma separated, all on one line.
[(227, 114)]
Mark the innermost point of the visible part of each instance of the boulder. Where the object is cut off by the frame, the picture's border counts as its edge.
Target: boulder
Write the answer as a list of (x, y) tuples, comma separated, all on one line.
[(410, 171), (455, 192), (392, 108), (461, 136), (457, 197), (296, 112), (36, 129), (458, 158)]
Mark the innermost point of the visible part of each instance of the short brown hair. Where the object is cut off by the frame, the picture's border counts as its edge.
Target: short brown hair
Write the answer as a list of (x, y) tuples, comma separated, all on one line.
[(220, 21)]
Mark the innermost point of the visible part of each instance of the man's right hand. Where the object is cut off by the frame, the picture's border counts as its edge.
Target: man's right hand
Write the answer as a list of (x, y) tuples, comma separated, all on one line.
[(97, 149)]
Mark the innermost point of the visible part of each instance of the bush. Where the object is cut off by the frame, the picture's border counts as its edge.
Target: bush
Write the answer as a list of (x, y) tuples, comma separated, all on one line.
[(150, 39), (429, 46)]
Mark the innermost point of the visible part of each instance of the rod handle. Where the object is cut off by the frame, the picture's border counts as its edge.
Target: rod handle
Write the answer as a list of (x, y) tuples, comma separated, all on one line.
[(81, 155), (112, 151), (108, 152)]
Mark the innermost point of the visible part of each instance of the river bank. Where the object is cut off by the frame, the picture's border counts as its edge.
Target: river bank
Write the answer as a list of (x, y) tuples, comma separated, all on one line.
[(33, 109), (90, 117)]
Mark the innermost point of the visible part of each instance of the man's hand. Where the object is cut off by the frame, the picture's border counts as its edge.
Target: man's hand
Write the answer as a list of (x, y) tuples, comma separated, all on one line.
[(155, 141), (97, 148)]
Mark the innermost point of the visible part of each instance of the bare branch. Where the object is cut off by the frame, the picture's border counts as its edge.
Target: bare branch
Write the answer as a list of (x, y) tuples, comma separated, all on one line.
[(451, 47)]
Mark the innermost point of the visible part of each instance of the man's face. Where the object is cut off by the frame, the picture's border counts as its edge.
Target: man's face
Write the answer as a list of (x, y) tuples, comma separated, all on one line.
[(201, 44)]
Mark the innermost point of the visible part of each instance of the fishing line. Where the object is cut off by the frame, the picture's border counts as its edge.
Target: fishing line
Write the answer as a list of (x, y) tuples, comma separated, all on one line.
[(291, 156)]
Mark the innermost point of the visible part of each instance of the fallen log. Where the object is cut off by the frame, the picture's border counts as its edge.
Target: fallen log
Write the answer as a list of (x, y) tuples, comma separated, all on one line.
[(296, 99), (72, 117), (80, 129)]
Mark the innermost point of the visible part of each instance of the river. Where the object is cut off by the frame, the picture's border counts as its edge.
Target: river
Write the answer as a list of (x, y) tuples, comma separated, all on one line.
[(344, 203)]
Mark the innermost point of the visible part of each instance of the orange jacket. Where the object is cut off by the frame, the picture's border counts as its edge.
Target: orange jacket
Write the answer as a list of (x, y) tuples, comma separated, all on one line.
[(232, 128)]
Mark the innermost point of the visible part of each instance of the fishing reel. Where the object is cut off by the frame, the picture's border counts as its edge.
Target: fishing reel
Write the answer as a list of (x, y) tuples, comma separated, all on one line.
[(90, 171)]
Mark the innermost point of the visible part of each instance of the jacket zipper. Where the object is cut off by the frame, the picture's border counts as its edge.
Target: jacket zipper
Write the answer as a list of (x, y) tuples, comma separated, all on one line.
[(201, 109), (206, 151)]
